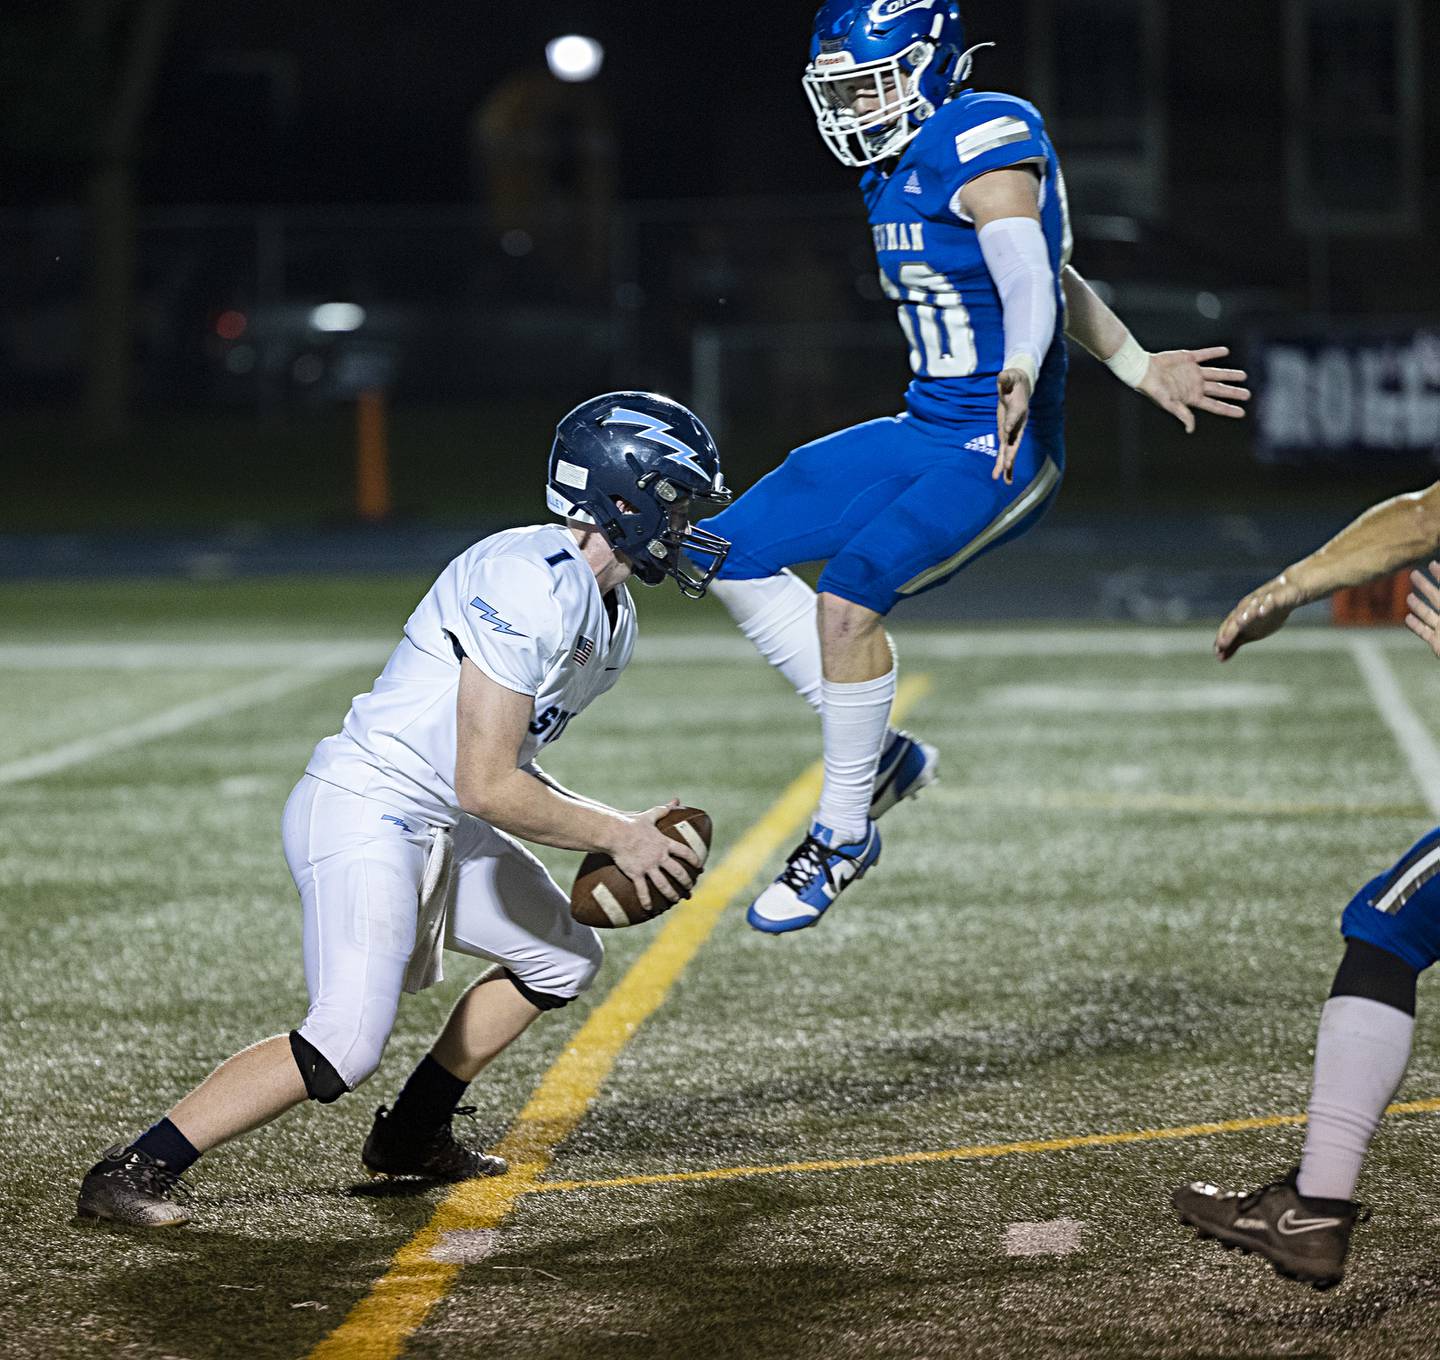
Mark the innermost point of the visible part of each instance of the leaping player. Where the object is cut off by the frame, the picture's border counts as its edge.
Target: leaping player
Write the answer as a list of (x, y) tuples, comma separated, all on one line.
[(967, 209), (1302, 1222), (403, 835)]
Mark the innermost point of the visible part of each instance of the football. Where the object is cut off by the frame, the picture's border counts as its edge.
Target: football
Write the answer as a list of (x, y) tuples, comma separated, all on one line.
[(604, 897)]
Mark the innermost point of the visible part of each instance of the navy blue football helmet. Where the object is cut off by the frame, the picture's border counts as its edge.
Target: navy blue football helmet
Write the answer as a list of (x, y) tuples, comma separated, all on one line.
[(626, 462), (879, 69)]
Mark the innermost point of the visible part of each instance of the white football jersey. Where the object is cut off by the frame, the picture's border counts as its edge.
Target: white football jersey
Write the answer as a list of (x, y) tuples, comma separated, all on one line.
[(525, 607)]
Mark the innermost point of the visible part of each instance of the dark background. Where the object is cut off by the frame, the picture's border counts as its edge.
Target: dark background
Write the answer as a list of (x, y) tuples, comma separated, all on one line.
[(1236, 171)]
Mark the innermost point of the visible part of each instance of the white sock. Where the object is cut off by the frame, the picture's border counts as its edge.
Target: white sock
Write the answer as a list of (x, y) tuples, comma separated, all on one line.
[(853, 718), (1361, 1054), (777, 614)]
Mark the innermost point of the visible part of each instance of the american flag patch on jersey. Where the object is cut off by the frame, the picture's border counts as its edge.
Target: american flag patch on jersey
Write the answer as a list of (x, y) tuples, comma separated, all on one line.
[(584, 650)]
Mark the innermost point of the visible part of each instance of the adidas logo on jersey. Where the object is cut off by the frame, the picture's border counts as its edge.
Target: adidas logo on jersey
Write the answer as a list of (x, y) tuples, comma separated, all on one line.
[(912, 185), (984, 444)]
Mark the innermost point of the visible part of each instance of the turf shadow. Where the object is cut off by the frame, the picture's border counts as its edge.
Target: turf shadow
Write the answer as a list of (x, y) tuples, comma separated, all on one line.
[(872, 1074)]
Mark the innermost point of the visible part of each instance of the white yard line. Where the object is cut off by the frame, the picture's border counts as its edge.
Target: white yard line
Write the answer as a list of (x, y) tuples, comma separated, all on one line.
[(163, 724), (1054, 1237), (1416, 742)]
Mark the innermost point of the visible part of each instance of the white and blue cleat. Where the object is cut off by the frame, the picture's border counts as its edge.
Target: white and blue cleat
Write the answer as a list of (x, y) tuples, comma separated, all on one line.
[(816, 874), (819, 871), (907, 765)]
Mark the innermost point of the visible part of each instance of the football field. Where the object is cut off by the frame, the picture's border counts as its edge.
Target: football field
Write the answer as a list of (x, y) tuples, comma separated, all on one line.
[(944, 1123)]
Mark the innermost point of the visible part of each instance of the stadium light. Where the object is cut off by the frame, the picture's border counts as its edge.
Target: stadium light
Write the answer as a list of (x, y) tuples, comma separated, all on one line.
[(338, 316), (574, 58)]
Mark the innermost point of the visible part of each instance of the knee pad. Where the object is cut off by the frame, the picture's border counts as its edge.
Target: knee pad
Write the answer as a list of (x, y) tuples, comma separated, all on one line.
[(545, 1001), (322, 1081)]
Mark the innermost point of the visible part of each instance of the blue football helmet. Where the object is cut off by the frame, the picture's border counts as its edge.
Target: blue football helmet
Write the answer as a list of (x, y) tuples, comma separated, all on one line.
[(638, 466), (879, 69)]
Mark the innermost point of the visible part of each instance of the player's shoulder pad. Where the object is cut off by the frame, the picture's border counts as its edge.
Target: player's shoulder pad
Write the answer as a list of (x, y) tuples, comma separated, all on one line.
[(981, 130), (515, 594)]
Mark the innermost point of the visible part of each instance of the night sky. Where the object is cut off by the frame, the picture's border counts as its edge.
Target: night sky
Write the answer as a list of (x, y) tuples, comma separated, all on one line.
[(360, 101)]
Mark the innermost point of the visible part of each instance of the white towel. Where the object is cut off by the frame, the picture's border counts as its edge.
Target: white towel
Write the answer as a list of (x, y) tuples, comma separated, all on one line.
[(425, 968)]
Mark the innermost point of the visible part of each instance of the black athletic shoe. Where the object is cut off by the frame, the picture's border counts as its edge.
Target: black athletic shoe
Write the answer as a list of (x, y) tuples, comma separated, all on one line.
[(395, 1149), (1304, 1239), (126, 1186)]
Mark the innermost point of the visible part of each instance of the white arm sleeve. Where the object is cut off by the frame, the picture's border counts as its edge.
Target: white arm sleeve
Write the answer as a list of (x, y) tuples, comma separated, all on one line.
[(1019, 262)]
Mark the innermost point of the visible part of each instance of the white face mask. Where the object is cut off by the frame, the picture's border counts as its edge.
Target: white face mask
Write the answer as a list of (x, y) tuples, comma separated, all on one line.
[(869, 111), (864, 112)]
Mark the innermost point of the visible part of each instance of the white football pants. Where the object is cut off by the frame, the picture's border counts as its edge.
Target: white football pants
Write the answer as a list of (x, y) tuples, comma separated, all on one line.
[(358, 866)]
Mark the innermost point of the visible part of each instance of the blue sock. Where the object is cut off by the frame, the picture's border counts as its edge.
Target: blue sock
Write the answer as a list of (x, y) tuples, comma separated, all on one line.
[(165, 1143), (430, 1095)]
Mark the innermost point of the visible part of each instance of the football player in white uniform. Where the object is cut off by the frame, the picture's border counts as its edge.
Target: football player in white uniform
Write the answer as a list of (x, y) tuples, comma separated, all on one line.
[(403, 835)]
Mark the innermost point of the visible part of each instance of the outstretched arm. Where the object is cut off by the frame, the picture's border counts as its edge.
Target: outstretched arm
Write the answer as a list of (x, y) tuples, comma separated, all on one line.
[(1177, 380), (1386, 537)]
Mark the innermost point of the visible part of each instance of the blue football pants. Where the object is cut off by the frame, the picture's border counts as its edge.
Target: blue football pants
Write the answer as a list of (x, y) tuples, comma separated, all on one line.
[(893, 507)]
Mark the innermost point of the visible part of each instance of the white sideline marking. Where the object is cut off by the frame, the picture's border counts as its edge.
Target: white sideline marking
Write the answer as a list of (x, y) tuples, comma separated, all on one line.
[(1154, 697), (224, 653), (464, 1246), (164, 724), (959, 644), (1413, 737), (1054, 1237), (227, 652)]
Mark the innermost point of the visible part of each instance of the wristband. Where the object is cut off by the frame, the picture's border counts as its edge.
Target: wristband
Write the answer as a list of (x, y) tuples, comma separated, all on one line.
[(1025, 362), (1129, 363)]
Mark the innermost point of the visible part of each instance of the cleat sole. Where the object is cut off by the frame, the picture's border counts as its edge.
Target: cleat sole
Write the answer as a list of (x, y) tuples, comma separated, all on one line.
[(1248, 1248)]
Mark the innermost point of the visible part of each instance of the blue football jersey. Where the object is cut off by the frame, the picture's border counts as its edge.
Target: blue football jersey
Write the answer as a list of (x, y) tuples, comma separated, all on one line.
[(931, 264)]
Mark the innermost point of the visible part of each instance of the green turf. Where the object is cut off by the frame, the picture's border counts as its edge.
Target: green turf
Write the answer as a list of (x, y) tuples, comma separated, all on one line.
[(1048, 947)]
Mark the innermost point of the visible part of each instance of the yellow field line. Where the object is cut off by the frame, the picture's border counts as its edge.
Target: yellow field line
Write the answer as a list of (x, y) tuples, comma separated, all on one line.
[(378, 1327), (962, 1154)]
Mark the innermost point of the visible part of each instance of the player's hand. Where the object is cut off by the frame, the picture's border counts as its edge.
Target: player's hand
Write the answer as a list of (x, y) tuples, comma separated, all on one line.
[(1178, 381), (651, 860), (1259, 614), (1011, 414), (1424, 600)]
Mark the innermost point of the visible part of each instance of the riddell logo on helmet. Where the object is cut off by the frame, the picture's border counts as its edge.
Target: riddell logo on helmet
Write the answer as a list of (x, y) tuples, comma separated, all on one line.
[(882, 10), (834, 59)]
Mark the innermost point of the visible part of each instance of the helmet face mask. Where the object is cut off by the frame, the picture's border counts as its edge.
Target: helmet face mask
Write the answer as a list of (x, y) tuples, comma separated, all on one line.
[(636, 465), (878, 70), (870, 112)]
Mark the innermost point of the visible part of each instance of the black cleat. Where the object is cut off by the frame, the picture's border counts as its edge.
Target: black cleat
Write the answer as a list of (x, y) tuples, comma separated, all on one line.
[(126, 1186), (1304, 1239), (395, 1149)]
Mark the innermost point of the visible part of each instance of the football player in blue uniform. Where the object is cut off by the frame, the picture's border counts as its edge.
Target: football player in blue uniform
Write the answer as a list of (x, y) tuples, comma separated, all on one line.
[(1302, 1222), (968, 213)]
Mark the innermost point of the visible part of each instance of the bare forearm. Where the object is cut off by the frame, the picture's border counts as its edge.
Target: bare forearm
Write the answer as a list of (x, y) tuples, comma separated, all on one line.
[(550, 782), (523, 805), (1088, 320), (1385, 538)]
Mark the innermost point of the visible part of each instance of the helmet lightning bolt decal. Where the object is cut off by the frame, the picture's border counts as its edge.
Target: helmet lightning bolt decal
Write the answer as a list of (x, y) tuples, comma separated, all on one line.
[(648, 427)]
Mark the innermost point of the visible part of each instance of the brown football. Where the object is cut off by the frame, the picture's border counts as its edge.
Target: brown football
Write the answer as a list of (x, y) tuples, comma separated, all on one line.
[(604, 897)]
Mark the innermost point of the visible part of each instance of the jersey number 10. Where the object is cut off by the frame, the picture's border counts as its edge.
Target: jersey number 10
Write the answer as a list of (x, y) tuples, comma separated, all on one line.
[(935, 322)]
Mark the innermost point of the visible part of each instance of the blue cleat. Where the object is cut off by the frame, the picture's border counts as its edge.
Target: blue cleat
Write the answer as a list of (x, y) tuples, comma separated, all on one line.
[(907, 765), (814, 877)]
